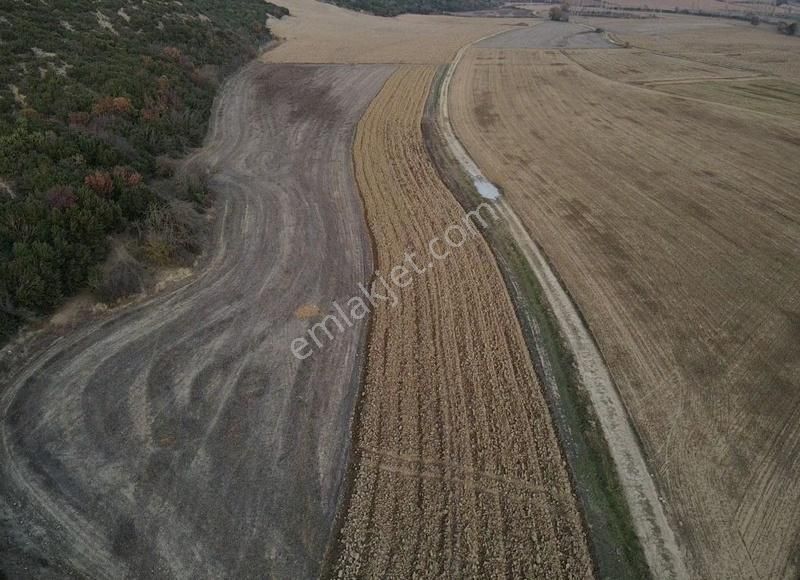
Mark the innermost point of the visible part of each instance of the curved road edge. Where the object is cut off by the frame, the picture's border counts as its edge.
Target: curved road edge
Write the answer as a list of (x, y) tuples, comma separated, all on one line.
[(655, 533)]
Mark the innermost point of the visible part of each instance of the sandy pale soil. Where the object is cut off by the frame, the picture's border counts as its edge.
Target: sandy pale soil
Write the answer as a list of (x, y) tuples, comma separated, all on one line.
[(181, 438), (458, 469), (675, 224)]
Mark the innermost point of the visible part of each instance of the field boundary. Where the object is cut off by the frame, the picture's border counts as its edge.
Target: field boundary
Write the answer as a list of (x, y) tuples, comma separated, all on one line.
[(616, 549), (353, 454), (575, 358)]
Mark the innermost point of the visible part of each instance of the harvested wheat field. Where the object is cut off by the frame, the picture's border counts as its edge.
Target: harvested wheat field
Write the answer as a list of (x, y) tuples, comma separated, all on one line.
[(458, 470), (728, 43), (322, 33), (729, 63), (674, 74), (675, 225)]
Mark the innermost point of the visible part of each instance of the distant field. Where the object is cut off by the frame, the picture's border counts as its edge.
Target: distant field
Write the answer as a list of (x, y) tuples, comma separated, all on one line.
[(644, 66), (679, 75), (717, 6), (726, 43), (675, 224), (322, 33)]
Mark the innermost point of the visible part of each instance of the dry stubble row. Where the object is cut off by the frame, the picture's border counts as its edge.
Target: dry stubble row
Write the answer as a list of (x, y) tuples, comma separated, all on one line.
[(459, 472)]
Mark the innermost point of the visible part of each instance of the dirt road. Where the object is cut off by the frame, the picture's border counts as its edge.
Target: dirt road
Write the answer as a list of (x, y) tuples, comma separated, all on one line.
[(181, 438), (652, 527)]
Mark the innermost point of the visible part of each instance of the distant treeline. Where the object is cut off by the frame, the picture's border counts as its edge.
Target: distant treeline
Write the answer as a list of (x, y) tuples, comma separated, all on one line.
[(395, 7), (95, 97)]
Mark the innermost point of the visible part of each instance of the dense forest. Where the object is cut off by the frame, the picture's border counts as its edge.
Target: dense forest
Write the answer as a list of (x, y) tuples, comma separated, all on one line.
[(395, 7), (96, 98)]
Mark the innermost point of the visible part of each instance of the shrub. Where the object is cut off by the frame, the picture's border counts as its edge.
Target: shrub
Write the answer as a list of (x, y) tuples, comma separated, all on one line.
[(127, 176), (121, 276), (172, 53), (100, 182), (171, 233), (78, 119), (560, 13), (61, 197), (112, 106)]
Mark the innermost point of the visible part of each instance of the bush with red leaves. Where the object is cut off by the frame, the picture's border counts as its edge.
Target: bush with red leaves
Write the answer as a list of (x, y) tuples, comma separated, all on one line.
[(100, 182), (127, 175), (61, 197), (112, 106)]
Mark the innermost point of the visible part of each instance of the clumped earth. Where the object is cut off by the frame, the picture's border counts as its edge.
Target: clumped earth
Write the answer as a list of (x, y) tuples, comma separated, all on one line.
[(458, 471), (675, 225)]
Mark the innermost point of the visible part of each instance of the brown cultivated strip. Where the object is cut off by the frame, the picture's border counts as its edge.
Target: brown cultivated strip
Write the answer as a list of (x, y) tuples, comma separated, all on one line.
[(458, 470)]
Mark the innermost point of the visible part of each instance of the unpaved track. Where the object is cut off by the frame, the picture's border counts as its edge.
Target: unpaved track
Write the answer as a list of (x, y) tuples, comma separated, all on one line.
[(649, 520), (181, 438), (458, 469)]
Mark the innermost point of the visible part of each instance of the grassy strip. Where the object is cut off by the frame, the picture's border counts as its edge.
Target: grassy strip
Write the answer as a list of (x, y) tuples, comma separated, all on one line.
[(615, 546)]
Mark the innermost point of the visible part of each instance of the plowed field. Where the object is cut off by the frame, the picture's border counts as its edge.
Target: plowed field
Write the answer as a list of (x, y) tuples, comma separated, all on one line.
[(675, 224), (180, 438), (458, 471)]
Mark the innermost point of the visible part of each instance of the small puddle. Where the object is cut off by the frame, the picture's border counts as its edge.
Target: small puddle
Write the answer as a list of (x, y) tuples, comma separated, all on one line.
[(486, 188)]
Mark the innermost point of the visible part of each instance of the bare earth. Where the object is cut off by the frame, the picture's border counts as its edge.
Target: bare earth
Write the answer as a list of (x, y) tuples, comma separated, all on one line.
[(181, 438), (458, 471), (675, 225)]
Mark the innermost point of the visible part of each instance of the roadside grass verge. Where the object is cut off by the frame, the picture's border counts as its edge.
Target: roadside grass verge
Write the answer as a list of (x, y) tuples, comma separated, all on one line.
[(615, 546)]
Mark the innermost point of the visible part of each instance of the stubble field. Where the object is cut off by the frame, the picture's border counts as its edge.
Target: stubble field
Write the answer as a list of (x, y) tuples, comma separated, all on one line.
[(675, 224), (458, 470), (322, 33)]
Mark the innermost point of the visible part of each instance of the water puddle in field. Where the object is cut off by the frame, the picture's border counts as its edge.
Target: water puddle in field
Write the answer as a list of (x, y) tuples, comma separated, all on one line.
[(487, 189)]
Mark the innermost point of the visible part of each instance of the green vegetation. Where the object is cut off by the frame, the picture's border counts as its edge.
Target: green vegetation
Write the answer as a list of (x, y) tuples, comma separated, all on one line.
[(395, 7), (559, 13), (95, 97)]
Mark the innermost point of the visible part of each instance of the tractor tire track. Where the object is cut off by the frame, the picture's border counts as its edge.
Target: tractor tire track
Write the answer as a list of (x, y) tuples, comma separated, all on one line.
[(180, 437)]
